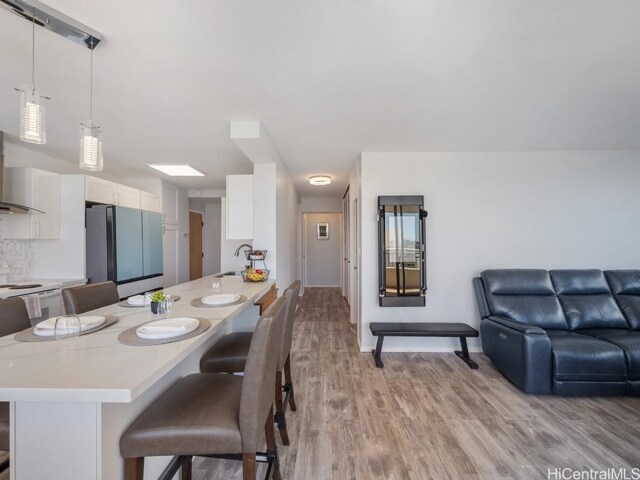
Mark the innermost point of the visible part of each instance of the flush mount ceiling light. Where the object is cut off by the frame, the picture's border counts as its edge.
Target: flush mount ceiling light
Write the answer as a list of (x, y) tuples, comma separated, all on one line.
[(320, 180), (177, 169), (90, 143)]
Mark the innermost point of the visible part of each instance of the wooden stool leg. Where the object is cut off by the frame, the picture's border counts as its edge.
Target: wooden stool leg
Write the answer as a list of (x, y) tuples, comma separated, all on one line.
[(134, 468), (288, 383), (249, 465), (185, 470), (279, 417), (272, 449)]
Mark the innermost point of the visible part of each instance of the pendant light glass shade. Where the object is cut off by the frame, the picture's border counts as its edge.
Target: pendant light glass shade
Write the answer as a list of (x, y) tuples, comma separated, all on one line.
[(32, 116), (90, 143), (90, 148)]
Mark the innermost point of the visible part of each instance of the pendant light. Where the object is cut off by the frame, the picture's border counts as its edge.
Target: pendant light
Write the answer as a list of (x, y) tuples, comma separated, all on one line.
[(33, 128), (90, 143)]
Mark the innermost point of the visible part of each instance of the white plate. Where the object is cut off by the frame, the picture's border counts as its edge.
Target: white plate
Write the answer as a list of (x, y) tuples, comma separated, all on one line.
[(137, 300), (220, 299), (46, 328), (167, 328)]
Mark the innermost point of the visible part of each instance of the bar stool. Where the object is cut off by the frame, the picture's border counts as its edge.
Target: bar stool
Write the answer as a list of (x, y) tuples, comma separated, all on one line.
[(230, 354), (84, 298), (214, 415), (13, 318)]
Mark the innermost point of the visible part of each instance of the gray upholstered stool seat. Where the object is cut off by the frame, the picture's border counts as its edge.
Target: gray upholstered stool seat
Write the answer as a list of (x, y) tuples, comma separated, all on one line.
[(212, 414), (228, 355), (199, 415), (85, 298)]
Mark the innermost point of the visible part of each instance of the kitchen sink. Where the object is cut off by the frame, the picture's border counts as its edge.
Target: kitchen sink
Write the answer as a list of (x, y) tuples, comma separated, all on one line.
[(229, 274)]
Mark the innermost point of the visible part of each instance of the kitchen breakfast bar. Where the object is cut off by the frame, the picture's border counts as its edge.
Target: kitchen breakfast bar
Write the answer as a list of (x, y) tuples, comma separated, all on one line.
[(71, 399)]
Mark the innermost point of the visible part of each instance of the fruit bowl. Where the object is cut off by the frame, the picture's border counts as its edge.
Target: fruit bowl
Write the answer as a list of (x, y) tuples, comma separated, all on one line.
[(257, 275), (256, 255)]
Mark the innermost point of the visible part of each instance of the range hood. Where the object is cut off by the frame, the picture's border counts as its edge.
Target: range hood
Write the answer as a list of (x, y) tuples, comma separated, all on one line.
[(6, 207)]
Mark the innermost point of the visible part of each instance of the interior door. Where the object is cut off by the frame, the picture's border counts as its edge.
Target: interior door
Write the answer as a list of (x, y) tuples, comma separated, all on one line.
[(346, 247), (196, 252)]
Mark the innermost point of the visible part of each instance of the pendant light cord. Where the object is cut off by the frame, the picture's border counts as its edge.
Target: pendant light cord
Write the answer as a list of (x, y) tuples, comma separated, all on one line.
[(33, 50), (91, 86)]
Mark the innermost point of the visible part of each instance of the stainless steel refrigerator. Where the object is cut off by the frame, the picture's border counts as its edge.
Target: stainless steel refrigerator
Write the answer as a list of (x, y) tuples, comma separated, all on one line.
[(123, 244)]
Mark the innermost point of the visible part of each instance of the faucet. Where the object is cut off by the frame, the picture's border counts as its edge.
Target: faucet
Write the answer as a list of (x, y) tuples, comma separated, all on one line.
[(237, 254)]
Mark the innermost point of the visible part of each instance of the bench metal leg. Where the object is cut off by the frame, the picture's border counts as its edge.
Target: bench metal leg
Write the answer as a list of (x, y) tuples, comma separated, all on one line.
[(376, 353), (464, 354)]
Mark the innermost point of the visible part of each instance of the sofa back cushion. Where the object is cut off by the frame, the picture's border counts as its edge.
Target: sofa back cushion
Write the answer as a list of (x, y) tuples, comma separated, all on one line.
[(586, 299), (625, 286), (525, 296)]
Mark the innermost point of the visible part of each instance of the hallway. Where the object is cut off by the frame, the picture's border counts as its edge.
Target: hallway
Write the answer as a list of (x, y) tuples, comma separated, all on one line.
[(427, 416)]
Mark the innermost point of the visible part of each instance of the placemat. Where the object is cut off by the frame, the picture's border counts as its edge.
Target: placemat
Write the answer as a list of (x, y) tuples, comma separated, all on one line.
[(29, 336), (197, 302), (129, 336), (124, 303)]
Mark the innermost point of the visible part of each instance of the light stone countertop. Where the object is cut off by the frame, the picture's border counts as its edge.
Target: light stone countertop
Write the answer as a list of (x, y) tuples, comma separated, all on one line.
[(96, 367), (47, 284)]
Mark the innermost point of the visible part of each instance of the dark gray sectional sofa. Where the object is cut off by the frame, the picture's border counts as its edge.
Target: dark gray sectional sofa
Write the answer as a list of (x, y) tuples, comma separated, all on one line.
[(567, 332)]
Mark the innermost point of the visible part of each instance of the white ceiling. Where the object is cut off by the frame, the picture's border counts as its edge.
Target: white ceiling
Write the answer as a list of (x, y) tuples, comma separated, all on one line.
[(331, 78)]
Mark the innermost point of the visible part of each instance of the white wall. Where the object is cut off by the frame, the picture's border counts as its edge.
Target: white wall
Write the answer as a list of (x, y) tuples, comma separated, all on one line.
[(265, 226), (323, 257), (286, 228), (320, 204), (228, 262), (212, 239), (499, 210)]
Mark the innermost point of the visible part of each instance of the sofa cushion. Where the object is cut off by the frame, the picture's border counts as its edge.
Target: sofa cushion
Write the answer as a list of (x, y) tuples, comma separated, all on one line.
[(578, 357), (526, 296), (629, 342), (586, 299), (625, 286)]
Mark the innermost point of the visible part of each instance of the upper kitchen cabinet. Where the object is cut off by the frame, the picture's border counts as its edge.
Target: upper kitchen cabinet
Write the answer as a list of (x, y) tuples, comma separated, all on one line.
[(111, 193), (100, 191), (127, 196), (170, 204), (37, 189), (239, 207), (150, 202)]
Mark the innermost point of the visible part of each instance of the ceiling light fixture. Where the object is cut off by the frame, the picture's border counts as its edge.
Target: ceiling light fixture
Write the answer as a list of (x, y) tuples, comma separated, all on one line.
[(90, 144), (33, 128), (177, 169), (320, 180)]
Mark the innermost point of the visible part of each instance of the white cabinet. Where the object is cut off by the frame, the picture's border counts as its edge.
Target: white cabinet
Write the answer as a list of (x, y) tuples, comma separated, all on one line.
[(149, 201), (101, 191), (170, 202), (37, 189), (239, 205), (127, 196), (111, 193)]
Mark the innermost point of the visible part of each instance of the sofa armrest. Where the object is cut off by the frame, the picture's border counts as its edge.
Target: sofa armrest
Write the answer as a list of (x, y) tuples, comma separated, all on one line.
[(521, 352), (519, 326)]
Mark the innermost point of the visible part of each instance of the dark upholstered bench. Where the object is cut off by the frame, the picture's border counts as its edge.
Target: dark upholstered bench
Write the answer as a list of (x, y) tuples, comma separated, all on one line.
[(460, 330)]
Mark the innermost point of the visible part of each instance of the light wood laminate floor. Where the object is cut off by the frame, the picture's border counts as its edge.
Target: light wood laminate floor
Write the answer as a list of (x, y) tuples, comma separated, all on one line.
[(428, 416)]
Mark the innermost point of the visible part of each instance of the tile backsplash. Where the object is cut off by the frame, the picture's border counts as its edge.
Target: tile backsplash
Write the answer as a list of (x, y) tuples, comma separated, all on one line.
[(16, 258)]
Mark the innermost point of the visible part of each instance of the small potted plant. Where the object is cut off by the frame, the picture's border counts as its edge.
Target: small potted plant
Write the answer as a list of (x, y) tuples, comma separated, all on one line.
[(156, 298)]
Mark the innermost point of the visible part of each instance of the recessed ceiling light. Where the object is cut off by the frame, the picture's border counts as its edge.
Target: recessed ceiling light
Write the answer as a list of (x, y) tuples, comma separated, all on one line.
[(320, 180), (177, 169)]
